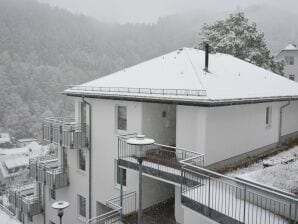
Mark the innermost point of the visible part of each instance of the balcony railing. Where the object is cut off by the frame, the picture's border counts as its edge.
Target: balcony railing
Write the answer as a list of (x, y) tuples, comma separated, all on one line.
[(228, 200), (161, 160), (115, 211), (25, 199), (46, 170), (66, 132)]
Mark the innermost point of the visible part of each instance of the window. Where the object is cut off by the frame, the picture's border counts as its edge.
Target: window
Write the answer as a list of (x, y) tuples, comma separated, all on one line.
[(268, 116), (82, 206), (289, 60), (121, 118), (83, 113), (292, 77), (82, 159), (118, 176), (52, 194)]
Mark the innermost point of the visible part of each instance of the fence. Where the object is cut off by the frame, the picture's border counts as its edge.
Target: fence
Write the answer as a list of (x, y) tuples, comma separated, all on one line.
[(144, 91), (117, 211), (65, 131), (228, 200)]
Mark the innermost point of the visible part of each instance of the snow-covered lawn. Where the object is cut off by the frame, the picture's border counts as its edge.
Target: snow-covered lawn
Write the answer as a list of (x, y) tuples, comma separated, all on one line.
[(281, 173)]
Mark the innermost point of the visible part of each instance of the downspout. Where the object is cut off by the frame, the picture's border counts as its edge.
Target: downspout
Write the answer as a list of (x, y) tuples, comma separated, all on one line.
[(90, 156), (280, 122)]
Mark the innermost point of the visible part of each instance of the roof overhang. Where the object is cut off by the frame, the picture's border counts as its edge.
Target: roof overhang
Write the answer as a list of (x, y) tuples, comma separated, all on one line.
[(187, 102)]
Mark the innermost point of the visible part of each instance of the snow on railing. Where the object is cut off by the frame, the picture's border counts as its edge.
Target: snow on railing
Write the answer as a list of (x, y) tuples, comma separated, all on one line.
[(65, 131), (225, 199), (129, 90)]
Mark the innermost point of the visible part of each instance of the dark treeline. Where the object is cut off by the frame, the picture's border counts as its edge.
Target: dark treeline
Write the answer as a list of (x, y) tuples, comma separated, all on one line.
[(44, 49)]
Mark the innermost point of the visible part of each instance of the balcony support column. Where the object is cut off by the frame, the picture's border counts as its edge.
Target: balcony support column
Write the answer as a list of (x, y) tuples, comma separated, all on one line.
[(121, 191), (140, 211)]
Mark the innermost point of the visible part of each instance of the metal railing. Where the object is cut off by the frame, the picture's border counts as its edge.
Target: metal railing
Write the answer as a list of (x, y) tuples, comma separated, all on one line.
[(8, 212), (65, 131), (128, 202), (159, 157), (117, 211), (47, 171), (25, 199), (133, 91), (228, 200)]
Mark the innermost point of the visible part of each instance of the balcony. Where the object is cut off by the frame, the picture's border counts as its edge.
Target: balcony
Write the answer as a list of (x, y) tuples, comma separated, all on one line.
[(46, 170), (114, 212), (65, 132), (25, 199), (160, 161), (228, 200)]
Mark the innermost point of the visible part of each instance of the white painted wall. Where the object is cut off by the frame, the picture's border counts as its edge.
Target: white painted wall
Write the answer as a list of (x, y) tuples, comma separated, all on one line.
[(290, 117), (191, 128), (290, 69), (234, 130), (154, 125), (192, 217)]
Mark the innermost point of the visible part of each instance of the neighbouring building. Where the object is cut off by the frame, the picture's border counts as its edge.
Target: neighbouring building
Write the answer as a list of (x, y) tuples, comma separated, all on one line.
[(212, 109), (25, 141), (289, 56), (4, 139)]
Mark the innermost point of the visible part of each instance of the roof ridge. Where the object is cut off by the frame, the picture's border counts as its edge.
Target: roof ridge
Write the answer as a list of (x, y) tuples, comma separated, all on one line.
[(197, 74)]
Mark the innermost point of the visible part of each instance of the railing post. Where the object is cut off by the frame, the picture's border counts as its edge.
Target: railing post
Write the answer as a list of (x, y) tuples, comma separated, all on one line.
[(209, 192), (121, 191), (244, 206)]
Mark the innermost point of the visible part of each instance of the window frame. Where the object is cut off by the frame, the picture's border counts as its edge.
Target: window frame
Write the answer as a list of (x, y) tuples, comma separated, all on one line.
[(117, 117), (268, 116), (79, 197), (52, 194), (83, 151), (117, 175), (290, 60), (292, 77)]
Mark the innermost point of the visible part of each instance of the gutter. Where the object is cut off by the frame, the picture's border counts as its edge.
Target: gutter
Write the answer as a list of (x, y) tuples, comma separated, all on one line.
[(280, 122), (187, 102), (90, 156)]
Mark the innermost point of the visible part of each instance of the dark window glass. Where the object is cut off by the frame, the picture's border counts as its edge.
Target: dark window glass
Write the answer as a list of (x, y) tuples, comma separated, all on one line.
[(121, 118), (82, 206)]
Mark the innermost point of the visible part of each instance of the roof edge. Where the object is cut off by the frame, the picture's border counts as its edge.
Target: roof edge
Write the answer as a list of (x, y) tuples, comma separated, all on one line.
[(202, 103)]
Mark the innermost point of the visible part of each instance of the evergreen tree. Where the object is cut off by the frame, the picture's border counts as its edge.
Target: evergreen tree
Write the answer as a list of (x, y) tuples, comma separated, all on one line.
[(238, 37)]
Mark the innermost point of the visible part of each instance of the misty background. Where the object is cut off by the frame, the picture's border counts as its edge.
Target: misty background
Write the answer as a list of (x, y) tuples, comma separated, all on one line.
[(47, 45)]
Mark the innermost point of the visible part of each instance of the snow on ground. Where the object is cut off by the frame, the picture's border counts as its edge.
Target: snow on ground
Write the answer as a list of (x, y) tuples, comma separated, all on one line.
[(223, 199), (6, 217), (281, 174)]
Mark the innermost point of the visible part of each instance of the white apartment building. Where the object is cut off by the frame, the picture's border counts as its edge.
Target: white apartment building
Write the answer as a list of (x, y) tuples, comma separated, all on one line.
[(188, 101), (289, 56)]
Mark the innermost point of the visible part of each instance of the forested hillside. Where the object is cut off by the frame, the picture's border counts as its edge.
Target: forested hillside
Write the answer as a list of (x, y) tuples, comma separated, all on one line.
[(42, 50)]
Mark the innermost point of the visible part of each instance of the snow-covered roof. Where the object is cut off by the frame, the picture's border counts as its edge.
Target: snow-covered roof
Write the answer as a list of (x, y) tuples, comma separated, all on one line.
[(16, 162), (26, 140), (31, 149), (180, 76), (4, 138), (291, 47)]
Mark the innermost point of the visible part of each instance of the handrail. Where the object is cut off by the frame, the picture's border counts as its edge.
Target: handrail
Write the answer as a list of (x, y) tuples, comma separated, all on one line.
[(271, 191), (132, 90)]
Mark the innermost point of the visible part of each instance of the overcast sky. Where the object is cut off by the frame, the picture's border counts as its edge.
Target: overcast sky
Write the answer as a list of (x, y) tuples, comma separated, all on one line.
[(145, 10)]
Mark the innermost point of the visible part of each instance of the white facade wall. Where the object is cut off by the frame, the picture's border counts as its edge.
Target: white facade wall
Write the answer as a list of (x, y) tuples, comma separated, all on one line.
[(191, 128), (290, 69), (225, 132), (192, 217)]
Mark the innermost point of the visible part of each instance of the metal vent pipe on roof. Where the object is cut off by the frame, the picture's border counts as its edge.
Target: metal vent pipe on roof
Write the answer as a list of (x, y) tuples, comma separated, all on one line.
[(207, 57)]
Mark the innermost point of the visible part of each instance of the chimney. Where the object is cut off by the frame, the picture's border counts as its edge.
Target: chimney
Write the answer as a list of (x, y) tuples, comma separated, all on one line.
[(207, 57)]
